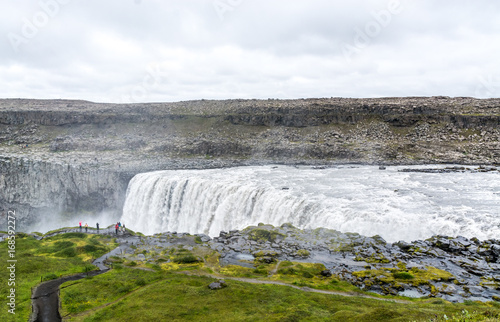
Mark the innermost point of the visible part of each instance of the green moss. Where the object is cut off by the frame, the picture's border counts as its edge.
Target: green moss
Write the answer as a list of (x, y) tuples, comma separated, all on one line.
[(263, 235), (432, 273), (403, 275), (303, 253), (401, 266), (414, 277), (237, 271), (68, 235), (288, 271), (374, 258), (265, 253), (186, 259)]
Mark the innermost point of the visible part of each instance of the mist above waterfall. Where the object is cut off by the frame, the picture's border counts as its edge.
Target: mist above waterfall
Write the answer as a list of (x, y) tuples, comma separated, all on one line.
[(362, 199)]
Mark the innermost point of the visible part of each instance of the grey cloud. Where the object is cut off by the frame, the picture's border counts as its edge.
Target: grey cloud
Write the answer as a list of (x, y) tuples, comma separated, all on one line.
[(104, 50)]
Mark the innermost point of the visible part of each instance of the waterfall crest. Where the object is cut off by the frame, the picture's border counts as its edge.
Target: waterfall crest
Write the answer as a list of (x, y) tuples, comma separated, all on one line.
[(395, 205), (164, 201)]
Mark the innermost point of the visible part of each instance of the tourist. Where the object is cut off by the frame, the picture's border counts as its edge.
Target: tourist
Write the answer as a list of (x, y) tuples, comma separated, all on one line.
[(97, 225), (80, 223), (116, 229), (86, 227)]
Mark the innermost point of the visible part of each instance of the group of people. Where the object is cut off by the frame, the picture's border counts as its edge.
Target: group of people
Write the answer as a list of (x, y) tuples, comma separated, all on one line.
[(86, 227), (118, 227)]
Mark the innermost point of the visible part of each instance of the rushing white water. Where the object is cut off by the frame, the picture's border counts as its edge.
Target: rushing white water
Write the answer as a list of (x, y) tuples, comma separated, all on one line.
[(396, 205)]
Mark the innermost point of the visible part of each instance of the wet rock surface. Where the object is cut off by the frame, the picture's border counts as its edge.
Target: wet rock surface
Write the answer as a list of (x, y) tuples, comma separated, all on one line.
[(454, 169), (455, 269)]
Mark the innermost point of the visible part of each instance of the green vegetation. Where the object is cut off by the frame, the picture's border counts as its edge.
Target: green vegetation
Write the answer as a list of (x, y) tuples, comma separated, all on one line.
[(303, 253), (415, 276), (374, 258), (134, 295), (186, 259), (173, 285), (403, 275), (258, 234), (47, 259), (82, 295)]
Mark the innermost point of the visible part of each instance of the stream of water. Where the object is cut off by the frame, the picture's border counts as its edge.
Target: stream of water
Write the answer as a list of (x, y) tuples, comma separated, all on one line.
[(395, 205)]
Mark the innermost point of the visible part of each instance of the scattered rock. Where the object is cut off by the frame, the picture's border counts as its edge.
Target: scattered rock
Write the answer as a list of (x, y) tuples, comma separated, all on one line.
[(217, 285)]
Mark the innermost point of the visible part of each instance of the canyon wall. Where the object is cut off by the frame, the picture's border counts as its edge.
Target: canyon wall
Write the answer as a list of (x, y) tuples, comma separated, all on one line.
[(37, 189)]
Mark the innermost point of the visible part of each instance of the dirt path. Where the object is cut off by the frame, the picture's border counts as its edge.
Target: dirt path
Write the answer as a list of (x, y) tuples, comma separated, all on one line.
[(45, 297)]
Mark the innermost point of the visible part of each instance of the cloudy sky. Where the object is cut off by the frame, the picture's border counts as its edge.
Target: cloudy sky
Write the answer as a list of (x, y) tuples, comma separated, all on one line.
[(166, 50)]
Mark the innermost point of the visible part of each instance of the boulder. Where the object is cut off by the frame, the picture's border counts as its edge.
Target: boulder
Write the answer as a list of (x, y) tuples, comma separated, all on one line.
[(217, 285)]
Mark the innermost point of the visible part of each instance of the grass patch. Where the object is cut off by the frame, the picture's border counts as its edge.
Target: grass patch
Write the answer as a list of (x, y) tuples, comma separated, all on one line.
[(403, 275), (42, 260), (177, 297), (186, 259), (82, 295)]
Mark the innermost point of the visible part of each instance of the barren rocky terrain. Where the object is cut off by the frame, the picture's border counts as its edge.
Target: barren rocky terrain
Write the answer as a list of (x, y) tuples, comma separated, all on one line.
[(386, 130)]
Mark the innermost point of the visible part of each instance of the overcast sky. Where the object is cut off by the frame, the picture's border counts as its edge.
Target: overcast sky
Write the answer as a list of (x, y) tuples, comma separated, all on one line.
[(165, 50)]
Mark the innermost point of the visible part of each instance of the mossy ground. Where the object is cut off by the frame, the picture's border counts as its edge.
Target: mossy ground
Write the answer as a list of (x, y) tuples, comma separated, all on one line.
[(47, 259), (185, 296), (128, 294), (161, 289), (394, 277)]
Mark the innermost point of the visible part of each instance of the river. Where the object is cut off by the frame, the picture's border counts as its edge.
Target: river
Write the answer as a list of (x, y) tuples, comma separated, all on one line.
[(363, 199)]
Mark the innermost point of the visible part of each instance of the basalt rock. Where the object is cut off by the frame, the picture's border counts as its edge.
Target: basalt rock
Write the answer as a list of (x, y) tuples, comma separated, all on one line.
[(455, 269)]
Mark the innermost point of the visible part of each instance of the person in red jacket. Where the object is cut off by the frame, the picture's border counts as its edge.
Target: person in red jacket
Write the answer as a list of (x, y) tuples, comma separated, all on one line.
[(116, 228)]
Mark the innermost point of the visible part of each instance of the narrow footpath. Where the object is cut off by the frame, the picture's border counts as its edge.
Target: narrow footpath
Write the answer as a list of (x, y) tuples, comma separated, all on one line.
[(45, 297)]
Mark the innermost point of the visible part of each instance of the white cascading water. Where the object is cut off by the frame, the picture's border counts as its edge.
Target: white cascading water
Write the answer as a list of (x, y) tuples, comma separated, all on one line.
[(395, 205)]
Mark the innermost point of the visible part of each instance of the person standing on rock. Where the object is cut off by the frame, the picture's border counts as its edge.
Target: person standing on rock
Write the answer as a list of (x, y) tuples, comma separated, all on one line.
[(97, 225), (116, 228), (80, 223), (86, 227)]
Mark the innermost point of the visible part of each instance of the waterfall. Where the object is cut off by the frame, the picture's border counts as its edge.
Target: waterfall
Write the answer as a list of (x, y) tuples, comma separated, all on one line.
[(169, 201), (395, 205)]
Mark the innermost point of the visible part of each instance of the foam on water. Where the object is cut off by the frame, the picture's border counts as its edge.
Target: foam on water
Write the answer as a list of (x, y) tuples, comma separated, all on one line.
[(395, 205)]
